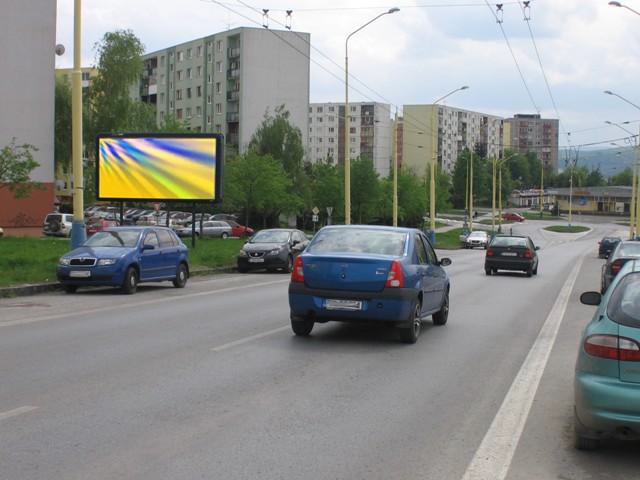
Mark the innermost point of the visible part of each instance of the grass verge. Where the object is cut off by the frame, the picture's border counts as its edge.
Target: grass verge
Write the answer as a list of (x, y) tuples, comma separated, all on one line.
[(449, 240), (567, 229), (536, 216), (33, 260)]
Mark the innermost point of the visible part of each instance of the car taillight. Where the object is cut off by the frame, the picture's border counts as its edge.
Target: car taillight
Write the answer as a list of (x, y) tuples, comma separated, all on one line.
[(395, 279), (616, 266), (297, 275), (527, 254), (490, 253), (612, 347)]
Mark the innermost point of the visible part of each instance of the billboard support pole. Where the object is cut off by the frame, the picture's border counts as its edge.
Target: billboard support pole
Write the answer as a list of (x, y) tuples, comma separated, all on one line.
[(121, 213), (193, 226), (168, 212)]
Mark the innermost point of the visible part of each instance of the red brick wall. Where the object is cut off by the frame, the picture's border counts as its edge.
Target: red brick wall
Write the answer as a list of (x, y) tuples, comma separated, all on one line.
[(26, 212)]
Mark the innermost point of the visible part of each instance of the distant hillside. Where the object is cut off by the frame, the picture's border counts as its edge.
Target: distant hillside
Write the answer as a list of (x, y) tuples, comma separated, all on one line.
[(610, 162)]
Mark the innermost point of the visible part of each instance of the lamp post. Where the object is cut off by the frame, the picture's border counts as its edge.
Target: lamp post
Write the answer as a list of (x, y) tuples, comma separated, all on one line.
[(618, 4), (498, 164), (432, 170), (78, 233), (347, 160)]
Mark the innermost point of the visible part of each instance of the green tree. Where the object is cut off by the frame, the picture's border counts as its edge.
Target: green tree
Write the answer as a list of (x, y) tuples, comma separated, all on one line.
[(62, 126), (595, 178), (412, 198), (327, 188), (365, 189), (16, 164), (623, 178)]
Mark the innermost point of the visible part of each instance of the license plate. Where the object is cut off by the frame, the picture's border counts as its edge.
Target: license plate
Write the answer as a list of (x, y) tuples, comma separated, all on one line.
[(332, 304), (256, 260), (79, 273), (509, 254)]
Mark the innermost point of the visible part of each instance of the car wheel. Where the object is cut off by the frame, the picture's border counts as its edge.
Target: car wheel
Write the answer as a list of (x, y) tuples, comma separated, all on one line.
[(181, 276), (488, 271), (225, 235), (535, 270), (441, 316), (301, 326), (580, 440), (529, 271), (411, 331), (130, 284), (70, 288)]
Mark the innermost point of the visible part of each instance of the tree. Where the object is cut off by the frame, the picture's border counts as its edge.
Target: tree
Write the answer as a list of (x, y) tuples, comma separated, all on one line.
[(326, 183), (595, 178), (62, 126), (623, 178), (16, 164), (412, 198), (365, 189)]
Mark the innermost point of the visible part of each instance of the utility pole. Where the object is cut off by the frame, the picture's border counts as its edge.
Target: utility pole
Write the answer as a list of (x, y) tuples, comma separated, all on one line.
[(471, 192)]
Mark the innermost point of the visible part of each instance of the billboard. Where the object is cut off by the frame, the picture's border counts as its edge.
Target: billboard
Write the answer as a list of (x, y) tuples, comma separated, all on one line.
[(159, 167)]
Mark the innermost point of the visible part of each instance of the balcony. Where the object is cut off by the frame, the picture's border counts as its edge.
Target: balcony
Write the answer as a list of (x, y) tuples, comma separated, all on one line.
[(232, 74), (233, 117), (233, 52), (233, 96)]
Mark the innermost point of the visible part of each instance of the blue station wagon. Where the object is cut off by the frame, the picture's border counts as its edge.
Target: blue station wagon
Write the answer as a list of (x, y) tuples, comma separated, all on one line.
[(365, 273), (125, 256)]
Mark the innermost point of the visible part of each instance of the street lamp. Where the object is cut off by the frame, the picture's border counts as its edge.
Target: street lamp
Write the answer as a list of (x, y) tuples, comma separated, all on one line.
[(618, 4), (432, 171), (498, 164), (347, 146)]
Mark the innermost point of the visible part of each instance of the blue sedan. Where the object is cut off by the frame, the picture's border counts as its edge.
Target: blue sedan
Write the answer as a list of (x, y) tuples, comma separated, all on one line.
[(365, 273), (607, 377), (125, 256)]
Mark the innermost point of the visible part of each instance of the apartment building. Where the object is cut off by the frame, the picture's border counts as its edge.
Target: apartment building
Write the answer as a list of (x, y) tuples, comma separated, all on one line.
[(531, 133), (370, 129), (225, 82), (444, 132)]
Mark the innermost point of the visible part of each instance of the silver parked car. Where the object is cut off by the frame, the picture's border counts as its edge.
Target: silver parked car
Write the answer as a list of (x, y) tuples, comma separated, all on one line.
[(209, 229), (478, 238)]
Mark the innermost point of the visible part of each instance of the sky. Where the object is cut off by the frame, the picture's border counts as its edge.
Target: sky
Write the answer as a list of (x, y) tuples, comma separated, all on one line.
[(424, 51)]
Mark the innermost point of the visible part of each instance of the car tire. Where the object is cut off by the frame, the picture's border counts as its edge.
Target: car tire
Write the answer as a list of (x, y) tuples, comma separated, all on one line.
[(488, 271), (410, 332), (130, 284), (70, 288), (301, 326), (442, 315), (225, 235), (529, 271), (582, 441), (182, 275)]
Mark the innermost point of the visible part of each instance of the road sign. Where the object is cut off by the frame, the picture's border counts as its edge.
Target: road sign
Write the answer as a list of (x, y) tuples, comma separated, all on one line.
[(314, 218), (315, 210), (329, 210)]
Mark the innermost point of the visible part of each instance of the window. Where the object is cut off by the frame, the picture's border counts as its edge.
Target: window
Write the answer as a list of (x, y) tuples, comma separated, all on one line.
[(332, 140), (179, 74), (188, 92), (189, 53), (198, 111), (162, 61), (332, 129), (332, 118), (166, 240), (218, 128), (151, 239), (209, 99), (179, 94), (170, 54), (219, 45), (332, 109), (189, 73), (218, 108), (171, 104), (353, 109), (162, 79), (199, 91), (162, 98), (209, 78), (208, 119), (209, 57), (319, 139), (310, 109), (319, 110), (352, 129), (171, 67), (199, 51), (170, 85), (219, 66), (319, 119), (162, 116), (218, 86), (353, 140), (180, 56), (188, 112), (421, 252), (199, 72), (179, 114)]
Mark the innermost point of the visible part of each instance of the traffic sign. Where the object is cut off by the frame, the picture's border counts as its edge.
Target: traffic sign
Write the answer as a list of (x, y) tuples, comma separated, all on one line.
[(314, 218), (315, 210), (329, 210)]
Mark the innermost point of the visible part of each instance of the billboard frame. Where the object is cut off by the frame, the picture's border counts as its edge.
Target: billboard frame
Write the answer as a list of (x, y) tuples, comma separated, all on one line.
[(219, 158)]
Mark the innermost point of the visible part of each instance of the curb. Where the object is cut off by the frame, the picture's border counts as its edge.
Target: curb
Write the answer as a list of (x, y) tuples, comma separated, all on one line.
[(35, 288)]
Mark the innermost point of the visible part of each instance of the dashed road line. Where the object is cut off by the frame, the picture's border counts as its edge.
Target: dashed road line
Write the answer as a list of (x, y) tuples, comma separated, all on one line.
[(249, 339), (16, 411)]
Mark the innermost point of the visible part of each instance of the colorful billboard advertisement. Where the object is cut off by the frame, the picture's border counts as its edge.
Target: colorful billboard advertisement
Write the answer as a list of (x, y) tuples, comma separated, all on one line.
[(159, 167)]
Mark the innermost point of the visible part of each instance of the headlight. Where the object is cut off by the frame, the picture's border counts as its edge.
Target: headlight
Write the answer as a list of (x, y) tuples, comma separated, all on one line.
[(107, 261), (64, 261), (275, 251), (242, 253)]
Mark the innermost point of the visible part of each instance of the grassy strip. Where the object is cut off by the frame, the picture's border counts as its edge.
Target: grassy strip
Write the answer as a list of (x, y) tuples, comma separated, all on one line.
[(449, 240), (536, 216), (567, 229), (34, 260), (488, 222)]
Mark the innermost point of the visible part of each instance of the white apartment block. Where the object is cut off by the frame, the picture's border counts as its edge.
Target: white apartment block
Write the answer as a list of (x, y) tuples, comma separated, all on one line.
[(456, 130), (225, 82), (369, 133)]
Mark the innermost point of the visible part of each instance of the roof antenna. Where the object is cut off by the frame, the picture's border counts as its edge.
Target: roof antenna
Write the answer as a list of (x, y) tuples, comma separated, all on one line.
[(288, 20), (265, 17), (499, 13)]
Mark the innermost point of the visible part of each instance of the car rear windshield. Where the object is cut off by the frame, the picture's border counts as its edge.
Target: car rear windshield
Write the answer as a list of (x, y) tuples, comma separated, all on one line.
[(271, 236), (352, 240), (509, 242), (629, 249), (54, 218), (120, 238), (624, 304)]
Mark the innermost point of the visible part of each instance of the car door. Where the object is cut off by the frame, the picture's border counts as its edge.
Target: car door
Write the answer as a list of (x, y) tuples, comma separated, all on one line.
[(150, 258), (169, 253), (436, 277), (424, 274)]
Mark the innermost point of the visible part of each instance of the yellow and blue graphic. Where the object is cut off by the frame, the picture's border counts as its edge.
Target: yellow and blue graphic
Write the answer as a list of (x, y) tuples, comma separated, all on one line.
[(162, 168)]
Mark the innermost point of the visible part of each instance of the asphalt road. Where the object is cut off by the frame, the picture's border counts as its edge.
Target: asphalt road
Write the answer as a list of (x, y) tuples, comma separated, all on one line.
[(209, 382)]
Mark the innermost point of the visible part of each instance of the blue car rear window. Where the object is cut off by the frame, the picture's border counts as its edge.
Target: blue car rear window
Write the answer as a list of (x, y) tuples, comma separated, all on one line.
[(109, 238), (624, 304), (361, 240)]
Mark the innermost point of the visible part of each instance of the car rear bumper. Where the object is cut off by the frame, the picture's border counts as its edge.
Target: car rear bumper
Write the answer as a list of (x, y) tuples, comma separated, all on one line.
[(606, 406), (388, 305), (504, 264)]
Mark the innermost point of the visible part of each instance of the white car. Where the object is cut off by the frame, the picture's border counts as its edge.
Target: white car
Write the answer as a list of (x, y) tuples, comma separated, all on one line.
[(58, 224), (477, 239)]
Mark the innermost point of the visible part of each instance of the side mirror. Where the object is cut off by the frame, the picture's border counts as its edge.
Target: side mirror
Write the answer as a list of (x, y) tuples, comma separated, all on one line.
[(146, 246), (295, 242), (537, 248), (445, 262), (591, 298)]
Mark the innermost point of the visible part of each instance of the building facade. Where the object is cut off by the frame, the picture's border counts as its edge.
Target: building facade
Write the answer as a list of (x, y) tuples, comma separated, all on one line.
[(370, 129), (531, 133), (613, 200), (226, 82), (443, 132), (27, 36)]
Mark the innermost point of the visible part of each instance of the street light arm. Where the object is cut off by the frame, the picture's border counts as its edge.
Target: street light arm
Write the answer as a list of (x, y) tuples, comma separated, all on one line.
[(392, 10), (464, 87), (620, 126), (609, 92), (618, 4)]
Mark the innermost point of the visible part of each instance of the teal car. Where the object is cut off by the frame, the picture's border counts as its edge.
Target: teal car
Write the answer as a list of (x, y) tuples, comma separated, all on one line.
[(607, 375)]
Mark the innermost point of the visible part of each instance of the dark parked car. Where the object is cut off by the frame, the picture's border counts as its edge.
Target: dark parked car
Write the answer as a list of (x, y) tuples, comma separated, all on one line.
[(622, 253), (123, 257), (509, 252), (606, 246), (368, 273), (274, 248), (607, 377)]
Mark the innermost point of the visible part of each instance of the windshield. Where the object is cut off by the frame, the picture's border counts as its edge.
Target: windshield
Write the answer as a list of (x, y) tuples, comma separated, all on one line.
[(478, 235), (628, 249), (509, 242), (347, 240), (624, 305), (271, 236), (120, 238)]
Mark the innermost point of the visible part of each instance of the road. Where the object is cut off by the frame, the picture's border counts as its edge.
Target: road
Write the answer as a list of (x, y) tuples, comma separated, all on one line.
[(209, 382)]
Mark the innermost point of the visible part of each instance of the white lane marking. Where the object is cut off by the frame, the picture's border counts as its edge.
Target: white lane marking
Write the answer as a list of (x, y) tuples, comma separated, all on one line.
[(155, 301), (16, 411), (248, 339), (494, 455)]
